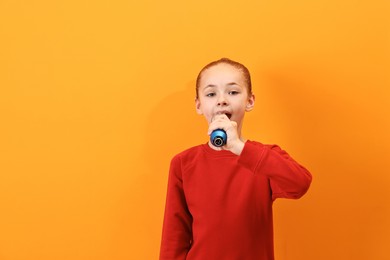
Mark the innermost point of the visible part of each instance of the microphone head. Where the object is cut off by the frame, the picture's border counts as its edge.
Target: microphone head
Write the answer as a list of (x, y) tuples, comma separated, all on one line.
[(218, 137)]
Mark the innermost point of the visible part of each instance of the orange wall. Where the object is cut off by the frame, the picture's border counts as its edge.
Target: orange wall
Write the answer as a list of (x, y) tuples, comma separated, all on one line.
[(97, 96)]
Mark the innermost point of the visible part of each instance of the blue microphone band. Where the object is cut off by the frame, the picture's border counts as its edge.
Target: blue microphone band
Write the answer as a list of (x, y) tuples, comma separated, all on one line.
[(218, 137)]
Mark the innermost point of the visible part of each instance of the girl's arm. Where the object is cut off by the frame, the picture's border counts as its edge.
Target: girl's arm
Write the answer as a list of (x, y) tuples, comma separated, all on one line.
[(288, 179), (177, 232)]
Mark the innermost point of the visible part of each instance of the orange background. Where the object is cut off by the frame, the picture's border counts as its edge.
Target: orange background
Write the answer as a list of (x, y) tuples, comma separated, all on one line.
[(97, 96)]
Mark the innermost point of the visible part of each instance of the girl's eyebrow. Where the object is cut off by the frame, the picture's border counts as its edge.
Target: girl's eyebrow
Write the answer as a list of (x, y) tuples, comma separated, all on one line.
[(209, 86), (228, 84), (213, 86), (232, 84)]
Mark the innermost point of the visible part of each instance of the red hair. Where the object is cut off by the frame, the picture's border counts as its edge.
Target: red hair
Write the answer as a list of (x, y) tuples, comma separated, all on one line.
[(244, 70)]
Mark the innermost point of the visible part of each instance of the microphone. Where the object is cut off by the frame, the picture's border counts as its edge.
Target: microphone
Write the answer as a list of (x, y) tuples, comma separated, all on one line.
[(218, 137)]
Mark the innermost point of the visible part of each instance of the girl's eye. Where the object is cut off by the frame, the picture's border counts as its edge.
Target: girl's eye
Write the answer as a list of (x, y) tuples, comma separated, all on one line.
[(210, 94), (233, 92)]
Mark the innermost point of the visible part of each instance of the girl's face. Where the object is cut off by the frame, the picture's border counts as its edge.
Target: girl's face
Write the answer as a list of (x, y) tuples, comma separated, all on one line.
[(222, 90)]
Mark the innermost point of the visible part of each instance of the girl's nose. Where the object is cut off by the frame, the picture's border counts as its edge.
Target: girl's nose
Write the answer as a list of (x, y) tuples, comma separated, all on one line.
[(222, 100)]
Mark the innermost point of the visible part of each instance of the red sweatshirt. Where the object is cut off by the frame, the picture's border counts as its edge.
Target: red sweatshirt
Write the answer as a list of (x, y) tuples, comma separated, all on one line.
[(219, 205)]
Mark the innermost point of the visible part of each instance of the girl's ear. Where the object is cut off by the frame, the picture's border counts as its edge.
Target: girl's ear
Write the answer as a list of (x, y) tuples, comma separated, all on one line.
[(250, 103), (197, 106)]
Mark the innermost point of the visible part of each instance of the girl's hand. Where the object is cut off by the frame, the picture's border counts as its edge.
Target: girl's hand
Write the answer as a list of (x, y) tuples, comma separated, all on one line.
[(234, 142)]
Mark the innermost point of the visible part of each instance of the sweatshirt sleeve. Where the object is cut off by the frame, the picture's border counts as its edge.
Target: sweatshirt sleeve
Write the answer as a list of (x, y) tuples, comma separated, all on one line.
[(288, 179), (177, 231)]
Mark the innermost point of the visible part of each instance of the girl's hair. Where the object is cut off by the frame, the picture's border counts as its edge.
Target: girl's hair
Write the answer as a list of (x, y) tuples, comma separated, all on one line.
[(235, 64)]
